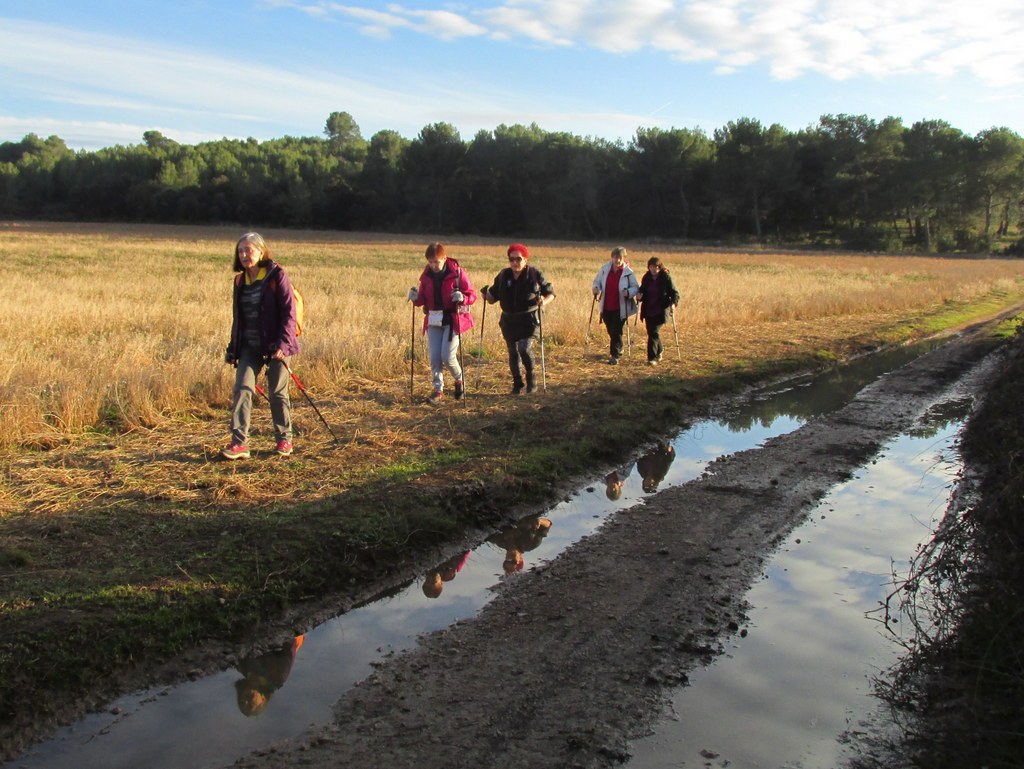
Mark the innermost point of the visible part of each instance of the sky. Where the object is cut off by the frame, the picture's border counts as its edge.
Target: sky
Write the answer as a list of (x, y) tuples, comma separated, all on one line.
[(99, 73)]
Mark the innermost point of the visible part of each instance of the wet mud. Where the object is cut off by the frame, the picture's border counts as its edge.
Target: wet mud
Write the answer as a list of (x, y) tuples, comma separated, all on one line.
[(575, 658)]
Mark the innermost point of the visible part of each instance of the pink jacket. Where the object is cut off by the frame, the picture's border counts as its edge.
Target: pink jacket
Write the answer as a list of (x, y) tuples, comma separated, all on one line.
[(455, 277)]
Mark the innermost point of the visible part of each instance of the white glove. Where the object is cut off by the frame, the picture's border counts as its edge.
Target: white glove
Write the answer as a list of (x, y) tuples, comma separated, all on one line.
[(413, 294), (457, 297)]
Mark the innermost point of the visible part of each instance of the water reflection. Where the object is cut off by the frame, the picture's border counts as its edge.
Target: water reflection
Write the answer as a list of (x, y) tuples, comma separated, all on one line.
[(262, 675), (654, 465), (615, 480), (433, 581), (786, 692), (522, 537), (147, 728)]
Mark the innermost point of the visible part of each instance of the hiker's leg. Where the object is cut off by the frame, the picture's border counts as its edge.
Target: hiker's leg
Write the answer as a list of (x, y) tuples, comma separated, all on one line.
[(280, 402)]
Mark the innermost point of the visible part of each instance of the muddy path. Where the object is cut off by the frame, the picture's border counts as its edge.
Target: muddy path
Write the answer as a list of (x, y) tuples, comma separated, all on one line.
[(570, 662)]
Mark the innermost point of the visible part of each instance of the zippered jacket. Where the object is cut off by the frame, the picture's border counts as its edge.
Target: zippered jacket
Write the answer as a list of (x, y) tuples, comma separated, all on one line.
[(277, 314), (454, 277), (627, 282)]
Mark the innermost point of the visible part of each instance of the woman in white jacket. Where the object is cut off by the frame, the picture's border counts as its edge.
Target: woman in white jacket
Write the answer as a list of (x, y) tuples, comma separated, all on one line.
[(617, 283)]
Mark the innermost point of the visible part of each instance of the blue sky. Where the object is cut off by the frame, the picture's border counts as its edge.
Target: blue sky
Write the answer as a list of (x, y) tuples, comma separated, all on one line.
[(101, 72)]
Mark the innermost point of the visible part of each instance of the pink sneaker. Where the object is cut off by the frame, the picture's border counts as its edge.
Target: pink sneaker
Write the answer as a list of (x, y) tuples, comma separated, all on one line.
[(284, 447), (235, 451)]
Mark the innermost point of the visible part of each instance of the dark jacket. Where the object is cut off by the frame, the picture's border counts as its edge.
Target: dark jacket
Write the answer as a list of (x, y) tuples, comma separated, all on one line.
[(518, 298), (666, 291), (277, 314)]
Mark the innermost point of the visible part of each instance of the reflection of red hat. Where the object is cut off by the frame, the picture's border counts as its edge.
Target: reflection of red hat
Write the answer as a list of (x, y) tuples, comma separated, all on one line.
[(520, 248)]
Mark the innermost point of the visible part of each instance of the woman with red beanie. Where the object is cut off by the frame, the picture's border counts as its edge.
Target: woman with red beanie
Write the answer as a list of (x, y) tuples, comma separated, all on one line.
[(522, 291)]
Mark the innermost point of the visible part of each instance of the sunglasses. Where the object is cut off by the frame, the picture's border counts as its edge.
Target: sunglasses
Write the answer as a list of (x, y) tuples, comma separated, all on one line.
[(515, 258)]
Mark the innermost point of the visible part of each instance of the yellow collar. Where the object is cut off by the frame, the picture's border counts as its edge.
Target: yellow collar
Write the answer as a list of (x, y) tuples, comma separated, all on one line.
[(259, 276)]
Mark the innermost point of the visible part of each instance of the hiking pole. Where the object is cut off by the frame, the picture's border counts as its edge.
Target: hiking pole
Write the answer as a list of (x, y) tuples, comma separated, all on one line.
[(679, 355), (543, 369), (302, 389), (629, 340), (591, 321), (461, 354), (412, 349), (458, 331), (480, 355)]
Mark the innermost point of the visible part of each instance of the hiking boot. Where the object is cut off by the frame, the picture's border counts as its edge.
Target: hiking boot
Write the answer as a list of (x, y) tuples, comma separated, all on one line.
[(460, 389), (235, 451), (284, 447), (531, 384), (517, 388), (652, 362), (613, 361), (435, 396)]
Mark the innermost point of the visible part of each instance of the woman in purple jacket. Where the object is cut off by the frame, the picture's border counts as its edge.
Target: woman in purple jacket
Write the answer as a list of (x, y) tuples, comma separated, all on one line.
[(445, 294), (262, 334)]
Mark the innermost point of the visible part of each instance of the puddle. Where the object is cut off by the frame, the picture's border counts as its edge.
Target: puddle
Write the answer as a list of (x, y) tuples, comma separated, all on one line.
[(783, 695), (213, 721)]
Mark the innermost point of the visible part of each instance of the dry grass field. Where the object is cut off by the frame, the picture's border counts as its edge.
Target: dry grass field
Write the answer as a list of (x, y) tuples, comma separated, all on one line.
[(120, 328)]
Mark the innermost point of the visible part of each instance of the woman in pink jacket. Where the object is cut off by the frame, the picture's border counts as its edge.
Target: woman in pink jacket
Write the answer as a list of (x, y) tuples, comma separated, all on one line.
[(445, 294)]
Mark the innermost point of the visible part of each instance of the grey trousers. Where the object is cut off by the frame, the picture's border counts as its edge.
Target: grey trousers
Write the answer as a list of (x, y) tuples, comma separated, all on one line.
[(250, 363)]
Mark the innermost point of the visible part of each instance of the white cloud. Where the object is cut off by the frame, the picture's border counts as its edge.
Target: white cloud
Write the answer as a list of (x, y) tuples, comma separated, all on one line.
[(788, 37), (83, 134), (136, 85), (382, 24)]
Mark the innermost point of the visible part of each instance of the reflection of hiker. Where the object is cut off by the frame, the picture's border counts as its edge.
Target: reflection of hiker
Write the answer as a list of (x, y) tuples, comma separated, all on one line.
[(264, 675), (433, 581), (617, 283), (522, 291), (521, 537), (263, 333), (653, 466), (614, 480), (445, 294)]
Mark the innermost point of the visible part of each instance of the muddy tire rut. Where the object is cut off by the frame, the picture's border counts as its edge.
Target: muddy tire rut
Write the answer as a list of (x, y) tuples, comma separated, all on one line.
[(577, 657)]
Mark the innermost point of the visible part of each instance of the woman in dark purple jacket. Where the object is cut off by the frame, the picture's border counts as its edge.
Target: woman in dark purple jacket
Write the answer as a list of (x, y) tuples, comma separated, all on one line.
[(658, 298), (263, 333)]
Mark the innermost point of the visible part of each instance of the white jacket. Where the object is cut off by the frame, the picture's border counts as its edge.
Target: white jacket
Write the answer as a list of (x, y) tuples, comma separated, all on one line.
[(627, 282)]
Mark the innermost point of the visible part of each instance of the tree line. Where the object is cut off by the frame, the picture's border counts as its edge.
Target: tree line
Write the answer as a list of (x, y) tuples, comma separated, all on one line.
[(848, 181)]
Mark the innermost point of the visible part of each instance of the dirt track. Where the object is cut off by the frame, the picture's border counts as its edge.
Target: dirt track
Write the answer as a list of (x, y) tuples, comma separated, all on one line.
[(573, 660)]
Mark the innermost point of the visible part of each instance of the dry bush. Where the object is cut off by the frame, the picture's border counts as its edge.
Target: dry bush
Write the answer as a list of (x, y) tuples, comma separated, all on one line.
[(122, 327)]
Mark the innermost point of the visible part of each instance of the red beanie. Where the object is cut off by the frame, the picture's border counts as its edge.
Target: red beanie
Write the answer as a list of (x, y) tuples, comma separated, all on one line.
[(520, 248)]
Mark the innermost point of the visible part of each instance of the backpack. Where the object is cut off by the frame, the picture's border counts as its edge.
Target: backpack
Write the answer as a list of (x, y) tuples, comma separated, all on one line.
[(297, 300), (300, 310)]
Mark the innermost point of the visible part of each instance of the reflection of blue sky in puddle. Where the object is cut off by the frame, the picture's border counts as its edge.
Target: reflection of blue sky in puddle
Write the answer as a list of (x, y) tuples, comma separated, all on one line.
[(782, 696), (199, 723)]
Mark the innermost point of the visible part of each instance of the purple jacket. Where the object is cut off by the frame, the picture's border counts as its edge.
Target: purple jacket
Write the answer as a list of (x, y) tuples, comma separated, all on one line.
[(456, 277), (277, 314)]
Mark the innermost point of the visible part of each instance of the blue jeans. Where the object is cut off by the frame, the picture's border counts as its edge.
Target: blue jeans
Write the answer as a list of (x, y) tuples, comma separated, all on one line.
[(250, 363), (443, 346)]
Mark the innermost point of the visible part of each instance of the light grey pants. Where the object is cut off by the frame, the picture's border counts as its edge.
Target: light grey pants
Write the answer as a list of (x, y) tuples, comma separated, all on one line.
[(250, 363), (443, 346)]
